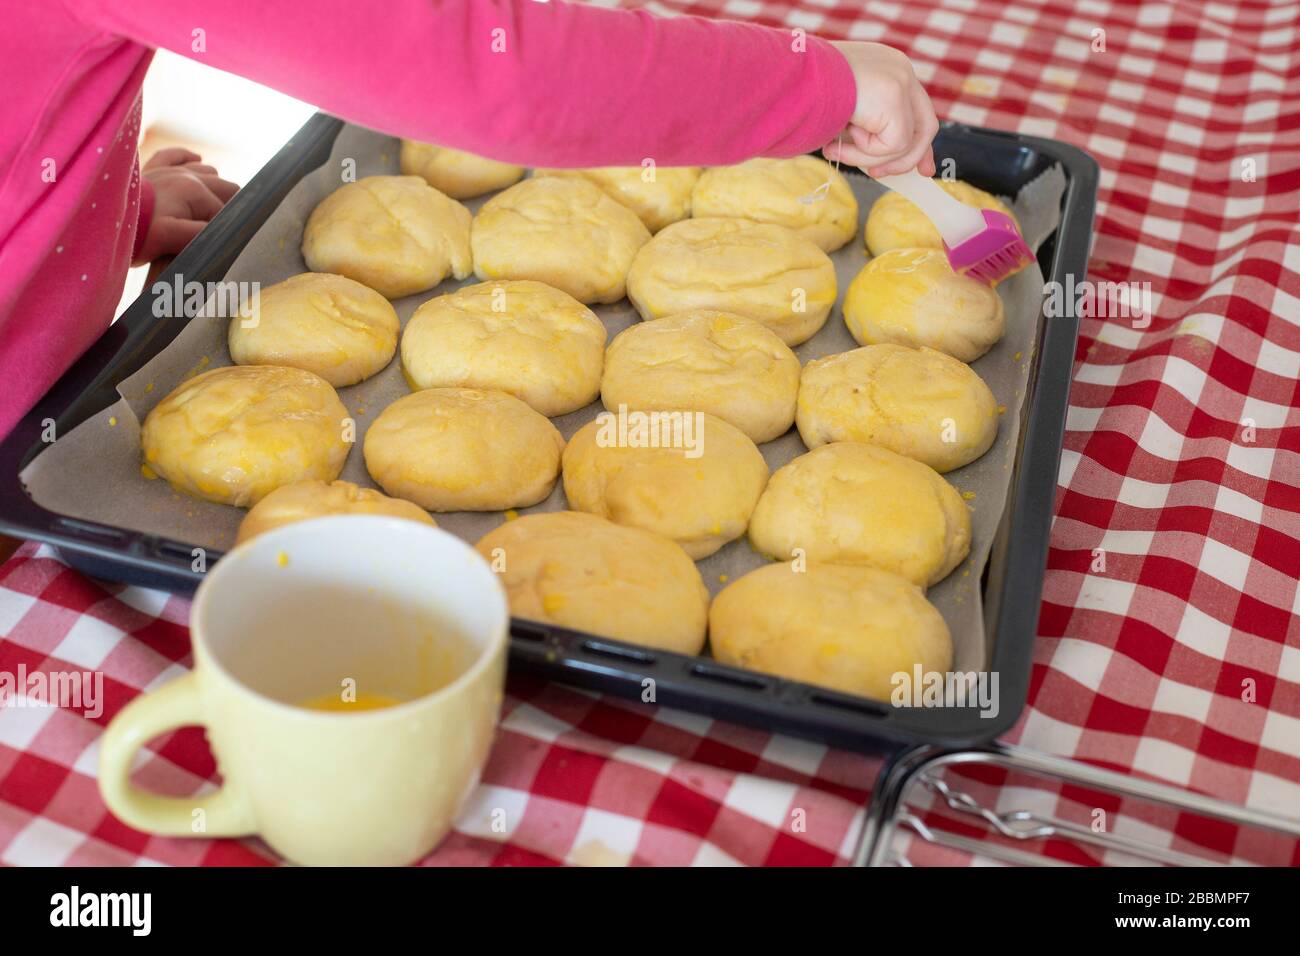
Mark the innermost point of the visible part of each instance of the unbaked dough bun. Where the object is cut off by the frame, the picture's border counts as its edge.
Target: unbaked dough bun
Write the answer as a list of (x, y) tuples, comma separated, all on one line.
[(233, 435), (848, 628), (579, 571), (564, 232), (522, 337), (756, 269), (715, 362), (463, 449), (396, 234), (699, 494), (912, 297), (897, 223), (459, 174), (849, 503), (658, 201), (303, 500), (919, 403), (789, 192), (331, 325)]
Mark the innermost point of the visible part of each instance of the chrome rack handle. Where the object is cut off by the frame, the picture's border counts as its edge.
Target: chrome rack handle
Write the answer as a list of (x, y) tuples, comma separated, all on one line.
[(889, 810)]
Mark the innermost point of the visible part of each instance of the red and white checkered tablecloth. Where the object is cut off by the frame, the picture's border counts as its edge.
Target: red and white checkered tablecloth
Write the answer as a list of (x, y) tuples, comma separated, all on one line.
[(1169, 638)]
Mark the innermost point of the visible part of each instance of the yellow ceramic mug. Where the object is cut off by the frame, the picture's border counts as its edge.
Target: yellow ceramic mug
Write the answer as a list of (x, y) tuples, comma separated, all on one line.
[(369, 607)]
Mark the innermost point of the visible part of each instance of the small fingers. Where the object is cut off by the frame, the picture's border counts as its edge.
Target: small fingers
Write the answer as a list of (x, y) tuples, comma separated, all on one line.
[(920, 150), (848, 154), (853, 155), (877, 154), (203, 203), (221, 188), (172, 156), (926, 166), (893, 138), (832, 151), (909, 160), (170, 235), (928, 122), (927, 127)]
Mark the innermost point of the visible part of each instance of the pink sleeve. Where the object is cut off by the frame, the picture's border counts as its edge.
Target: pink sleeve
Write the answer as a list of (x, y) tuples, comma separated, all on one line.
[(145, 219), (540, 84)]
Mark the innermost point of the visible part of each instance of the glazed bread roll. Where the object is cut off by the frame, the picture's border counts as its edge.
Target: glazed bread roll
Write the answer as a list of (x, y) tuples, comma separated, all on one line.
[(522, 337), (396, 234), (912, 297), (715, 362), (848, 503), (459, 174), (805, 194), (658, 195), (760, 270), (848, 628), (233, 435), (898, 223), (304, 500), (330, 325), (919, 403), (463, 449), (579, 571), (699, 493), (564, 232)]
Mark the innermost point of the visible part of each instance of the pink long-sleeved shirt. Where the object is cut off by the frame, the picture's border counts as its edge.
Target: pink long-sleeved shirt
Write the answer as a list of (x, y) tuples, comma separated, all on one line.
[(536, 83)]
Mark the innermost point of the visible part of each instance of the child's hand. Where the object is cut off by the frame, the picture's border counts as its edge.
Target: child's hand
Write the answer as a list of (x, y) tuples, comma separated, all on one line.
[(187, 194), (894, 124)]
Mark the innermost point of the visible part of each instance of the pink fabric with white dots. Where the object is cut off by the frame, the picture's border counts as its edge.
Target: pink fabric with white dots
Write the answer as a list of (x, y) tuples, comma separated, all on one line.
[(69, 209)]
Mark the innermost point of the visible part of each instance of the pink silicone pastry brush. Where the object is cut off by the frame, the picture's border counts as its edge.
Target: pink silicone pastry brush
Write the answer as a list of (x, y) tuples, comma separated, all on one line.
[(979, 242)]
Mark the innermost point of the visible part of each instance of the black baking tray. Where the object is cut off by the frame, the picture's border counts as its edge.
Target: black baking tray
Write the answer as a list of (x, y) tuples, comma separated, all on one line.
[(999, 162)]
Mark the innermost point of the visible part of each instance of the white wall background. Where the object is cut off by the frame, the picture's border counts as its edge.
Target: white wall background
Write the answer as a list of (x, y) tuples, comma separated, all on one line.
[(235, 124)]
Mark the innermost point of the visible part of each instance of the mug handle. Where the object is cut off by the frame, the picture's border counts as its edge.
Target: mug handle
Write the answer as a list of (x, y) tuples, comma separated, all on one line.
[(175, 704)]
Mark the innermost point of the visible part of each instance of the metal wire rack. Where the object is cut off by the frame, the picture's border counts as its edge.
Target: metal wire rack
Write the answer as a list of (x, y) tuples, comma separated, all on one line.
[(956, 802)]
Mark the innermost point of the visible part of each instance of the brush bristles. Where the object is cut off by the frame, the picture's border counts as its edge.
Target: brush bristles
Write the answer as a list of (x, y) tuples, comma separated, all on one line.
[(1005, 262), (993, 253)]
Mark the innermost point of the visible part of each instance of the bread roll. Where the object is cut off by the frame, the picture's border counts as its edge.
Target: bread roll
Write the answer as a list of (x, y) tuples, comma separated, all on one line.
[(660, 196), (233, 435), (760, 270), (848, 503), (912, 297), (564, 232), (396, 234), (917, 402), (522, 337), (708, 361), (579, 571), (329, 325), (304, 500), (459, 174), (698, 492), (897, 223), (463, 449), (805, 194), (847, 628)]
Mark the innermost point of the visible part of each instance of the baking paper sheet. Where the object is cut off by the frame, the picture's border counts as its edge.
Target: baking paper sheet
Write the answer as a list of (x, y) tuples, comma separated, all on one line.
[(93, 472)]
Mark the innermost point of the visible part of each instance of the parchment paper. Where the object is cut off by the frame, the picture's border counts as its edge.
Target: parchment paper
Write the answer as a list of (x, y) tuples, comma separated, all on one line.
[(93, 472)]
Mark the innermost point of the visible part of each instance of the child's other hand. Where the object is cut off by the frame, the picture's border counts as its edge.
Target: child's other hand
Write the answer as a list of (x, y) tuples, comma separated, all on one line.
[(894, 124), (187, 194)]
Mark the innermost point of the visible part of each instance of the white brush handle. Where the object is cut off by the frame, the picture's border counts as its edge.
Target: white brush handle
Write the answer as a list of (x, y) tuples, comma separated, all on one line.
[(955, 220)]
